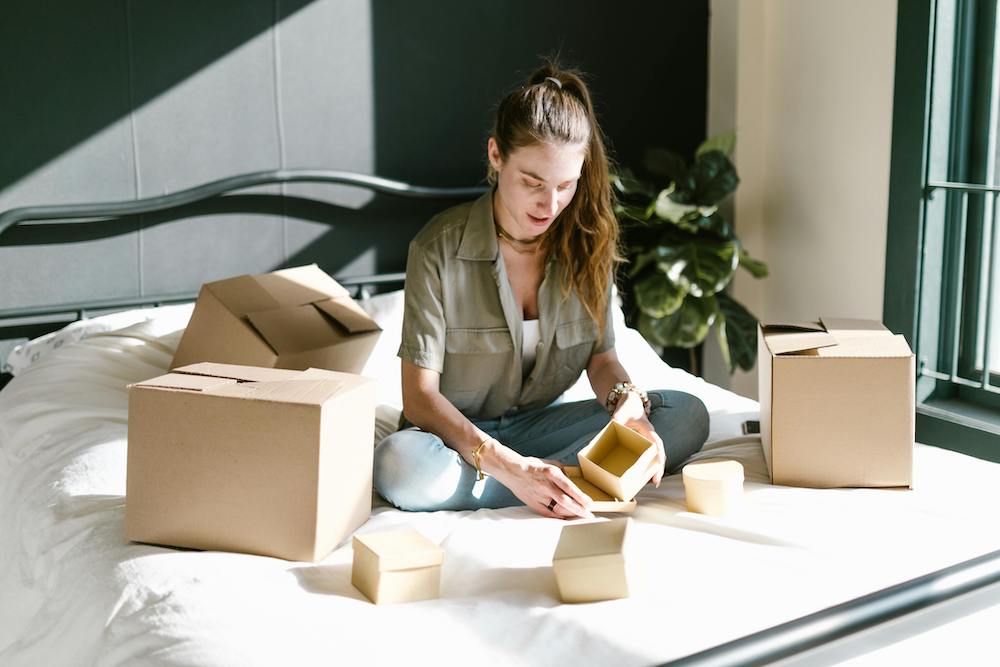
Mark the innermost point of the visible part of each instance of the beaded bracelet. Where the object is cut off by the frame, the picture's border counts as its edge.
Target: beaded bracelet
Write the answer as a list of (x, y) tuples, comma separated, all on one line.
[(619, 391)]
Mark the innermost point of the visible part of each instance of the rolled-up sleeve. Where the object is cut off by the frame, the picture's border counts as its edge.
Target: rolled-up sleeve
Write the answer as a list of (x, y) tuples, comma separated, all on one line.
[(423, 332), (608, 340)]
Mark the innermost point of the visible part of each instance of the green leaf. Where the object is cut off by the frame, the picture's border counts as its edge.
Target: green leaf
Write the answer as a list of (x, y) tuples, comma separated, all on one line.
[(703, 266), (757, 268), (661, 162), (688, 223), (724, 142), (711, 178), (668, 209), (658, 296), (740, 333), (685, 327), (634, 212), (642, 260), (723, 340), (627, 183), (717, 225)]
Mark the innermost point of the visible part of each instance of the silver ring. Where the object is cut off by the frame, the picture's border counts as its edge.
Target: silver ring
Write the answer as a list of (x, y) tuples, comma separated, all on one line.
[(552, 504)]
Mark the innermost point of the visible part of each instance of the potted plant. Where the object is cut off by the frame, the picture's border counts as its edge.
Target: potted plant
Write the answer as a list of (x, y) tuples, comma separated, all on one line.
[(683, 254)]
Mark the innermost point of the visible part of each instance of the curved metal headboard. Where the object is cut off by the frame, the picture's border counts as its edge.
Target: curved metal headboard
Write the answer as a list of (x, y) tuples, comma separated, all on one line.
[(84, 213), (222, 186)]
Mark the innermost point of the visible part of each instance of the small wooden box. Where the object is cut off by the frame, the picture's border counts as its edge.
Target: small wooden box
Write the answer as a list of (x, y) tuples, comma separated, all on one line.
[(713, 487), (618, 460), (589, 561), (396, 566)]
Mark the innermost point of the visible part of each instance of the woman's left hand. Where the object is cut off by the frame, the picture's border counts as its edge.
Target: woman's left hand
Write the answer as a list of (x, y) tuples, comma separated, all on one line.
[(630, 412)]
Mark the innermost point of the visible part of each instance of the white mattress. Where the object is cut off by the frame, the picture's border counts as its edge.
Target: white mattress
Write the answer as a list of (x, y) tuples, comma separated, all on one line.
[(73, 591)]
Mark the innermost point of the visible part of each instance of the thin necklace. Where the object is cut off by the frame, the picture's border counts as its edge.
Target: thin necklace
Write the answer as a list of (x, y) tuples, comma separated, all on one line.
[(517, 244)]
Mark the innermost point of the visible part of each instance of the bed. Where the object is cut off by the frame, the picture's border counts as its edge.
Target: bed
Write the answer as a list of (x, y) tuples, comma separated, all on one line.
[(73, 591)]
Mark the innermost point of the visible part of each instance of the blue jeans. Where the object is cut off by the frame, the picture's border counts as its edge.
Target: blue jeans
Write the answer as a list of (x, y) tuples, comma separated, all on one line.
[(415, 470)]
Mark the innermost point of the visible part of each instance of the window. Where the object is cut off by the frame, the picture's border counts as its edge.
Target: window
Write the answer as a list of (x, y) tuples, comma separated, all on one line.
[(943, 258)]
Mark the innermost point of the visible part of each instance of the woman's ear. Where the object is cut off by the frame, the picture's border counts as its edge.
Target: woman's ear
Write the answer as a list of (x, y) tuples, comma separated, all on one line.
[(493, 154)]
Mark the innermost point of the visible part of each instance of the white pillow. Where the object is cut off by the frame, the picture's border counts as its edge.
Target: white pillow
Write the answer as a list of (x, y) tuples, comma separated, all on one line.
[(383, 364), (24, 355)]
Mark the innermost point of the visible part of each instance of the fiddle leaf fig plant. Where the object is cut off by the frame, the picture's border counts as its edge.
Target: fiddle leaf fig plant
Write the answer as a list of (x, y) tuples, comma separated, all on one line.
[(683, 253)]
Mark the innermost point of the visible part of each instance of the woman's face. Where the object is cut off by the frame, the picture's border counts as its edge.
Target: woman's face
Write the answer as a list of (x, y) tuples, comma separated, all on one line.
[(534, 184)]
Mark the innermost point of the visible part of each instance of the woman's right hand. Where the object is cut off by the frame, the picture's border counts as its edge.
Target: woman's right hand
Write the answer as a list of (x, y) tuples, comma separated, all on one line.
[(537, 483)]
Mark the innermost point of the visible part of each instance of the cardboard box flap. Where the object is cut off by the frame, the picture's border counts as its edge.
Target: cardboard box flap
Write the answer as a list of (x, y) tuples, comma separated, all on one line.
[(869, 346), (236, 372), (186, 382), (400, 549), (314, 278), (300, 285), (602, 501), (322, 373), (289, 287), (348, 314), (846, 327), (586, 540), (792, 326), (242, 295), (293, 329), (301, 391), (786, 338)]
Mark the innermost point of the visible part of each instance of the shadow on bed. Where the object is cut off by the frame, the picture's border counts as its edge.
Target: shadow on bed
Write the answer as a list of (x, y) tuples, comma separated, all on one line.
[(490, 582), (328, 580), (667, 513), (82, 505)]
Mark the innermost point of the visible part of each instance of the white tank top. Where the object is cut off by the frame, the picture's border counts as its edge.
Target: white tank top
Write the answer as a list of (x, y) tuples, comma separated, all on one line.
[(529, 345)]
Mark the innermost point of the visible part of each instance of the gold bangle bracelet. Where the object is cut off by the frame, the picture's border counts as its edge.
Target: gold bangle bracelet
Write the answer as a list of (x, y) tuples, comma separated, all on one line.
[(475, 457)]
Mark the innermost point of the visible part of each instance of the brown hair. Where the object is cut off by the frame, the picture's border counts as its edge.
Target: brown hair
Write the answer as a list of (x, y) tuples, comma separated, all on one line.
[(554, 106)]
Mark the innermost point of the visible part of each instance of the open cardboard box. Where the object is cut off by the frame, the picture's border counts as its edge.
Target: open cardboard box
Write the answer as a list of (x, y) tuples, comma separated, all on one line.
[(295, 318), (601, 501), (836, 404), (393, 566), (618, 461), (589, 561), (254, 460)]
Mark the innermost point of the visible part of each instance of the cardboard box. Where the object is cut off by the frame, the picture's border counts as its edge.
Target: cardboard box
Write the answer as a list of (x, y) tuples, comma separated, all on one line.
[(589, 561), (713, 487), (254, 460), (836, 403), (393, 566), (601, 501), (618, 461), (294, 318)]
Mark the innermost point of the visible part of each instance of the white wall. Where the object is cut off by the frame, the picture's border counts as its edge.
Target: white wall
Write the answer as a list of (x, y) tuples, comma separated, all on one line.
[(808, 85)]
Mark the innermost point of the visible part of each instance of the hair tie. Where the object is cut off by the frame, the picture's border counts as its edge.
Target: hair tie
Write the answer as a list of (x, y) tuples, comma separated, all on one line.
[(555, 81)]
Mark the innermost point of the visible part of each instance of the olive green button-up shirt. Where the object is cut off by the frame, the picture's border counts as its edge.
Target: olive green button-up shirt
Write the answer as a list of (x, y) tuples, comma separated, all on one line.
[(461, 319)]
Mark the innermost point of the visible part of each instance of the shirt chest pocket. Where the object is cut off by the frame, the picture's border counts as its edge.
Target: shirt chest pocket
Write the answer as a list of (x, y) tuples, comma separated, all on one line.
[(476, 358), (574, 345)]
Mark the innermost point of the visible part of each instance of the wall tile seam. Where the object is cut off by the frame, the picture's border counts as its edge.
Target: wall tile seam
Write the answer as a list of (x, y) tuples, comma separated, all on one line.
[(134, 135), (279, 122)]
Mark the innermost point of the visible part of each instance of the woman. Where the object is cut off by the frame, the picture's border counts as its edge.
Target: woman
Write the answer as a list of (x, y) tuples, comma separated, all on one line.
[(508, 299)]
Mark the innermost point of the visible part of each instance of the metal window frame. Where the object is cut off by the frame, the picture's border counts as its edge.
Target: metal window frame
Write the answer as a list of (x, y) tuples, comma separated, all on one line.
[(937, 221)]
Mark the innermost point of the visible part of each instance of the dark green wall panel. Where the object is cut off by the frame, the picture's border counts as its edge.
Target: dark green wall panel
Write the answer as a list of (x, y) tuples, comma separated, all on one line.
[(110, 100)]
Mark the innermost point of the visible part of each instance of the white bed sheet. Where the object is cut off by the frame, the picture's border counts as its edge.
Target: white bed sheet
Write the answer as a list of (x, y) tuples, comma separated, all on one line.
[(73, 591)]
